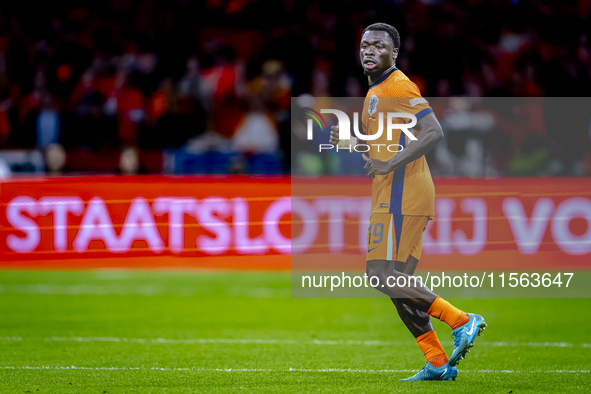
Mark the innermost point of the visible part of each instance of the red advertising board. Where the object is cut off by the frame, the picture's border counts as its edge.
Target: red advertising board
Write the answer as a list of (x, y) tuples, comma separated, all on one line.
[(139, 221), (245, 222)]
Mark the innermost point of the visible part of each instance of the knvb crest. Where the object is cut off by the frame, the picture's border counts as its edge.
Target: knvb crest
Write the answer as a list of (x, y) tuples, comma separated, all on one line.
[(373, 105)]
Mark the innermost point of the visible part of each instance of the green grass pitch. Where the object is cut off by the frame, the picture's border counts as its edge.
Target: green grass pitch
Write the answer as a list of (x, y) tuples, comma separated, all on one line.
[(182, 332)]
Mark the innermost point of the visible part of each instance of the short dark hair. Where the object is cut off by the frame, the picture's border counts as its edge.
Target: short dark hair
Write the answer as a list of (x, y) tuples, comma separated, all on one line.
[(391, 30)]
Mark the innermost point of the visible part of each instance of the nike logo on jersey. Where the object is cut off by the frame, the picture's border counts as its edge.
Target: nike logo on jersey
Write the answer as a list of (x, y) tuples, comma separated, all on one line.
[(471, 328), (369, 250)]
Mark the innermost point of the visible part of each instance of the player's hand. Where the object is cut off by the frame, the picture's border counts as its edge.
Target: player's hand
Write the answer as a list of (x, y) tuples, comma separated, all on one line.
[(375, 167), (334, 135)]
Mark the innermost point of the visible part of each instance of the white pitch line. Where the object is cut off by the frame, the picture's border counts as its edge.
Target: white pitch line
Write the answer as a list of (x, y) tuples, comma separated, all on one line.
[(533, 344), (81, 289), (319, 342), (72, 367), (105, 290), (170, 341)]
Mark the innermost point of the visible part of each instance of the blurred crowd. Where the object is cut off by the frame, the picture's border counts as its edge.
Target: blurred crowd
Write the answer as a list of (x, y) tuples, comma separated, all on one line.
[(189, 86)]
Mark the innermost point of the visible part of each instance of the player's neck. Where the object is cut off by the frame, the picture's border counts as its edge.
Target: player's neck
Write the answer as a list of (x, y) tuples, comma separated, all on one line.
[(372, 79)]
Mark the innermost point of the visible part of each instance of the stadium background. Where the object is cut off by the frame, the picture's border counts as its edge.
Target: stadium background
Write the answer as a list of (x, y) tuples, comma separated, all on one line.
[(149, 82), (101, 103)]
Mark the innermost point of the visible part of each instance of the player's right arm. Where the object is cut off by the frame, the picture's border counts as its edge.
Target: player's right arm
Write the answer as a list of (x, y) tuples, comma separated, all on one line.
[(430, 133)]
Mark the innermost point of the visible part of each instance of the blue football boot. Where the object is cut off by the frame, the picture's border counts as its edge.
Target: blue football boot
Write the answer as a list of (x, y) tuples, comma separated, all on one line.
[(429, 372), (464, 337)]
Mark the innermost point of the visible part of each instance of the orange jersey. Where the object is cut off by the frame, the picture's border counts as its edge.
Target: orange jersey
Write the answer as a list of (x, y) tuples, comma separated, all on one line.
[(409, 190)]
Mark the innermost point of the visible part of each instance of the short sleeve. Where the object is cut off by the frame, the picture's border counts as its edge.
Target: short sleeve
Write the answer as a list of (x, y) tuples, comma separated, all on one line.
[(412, 102)]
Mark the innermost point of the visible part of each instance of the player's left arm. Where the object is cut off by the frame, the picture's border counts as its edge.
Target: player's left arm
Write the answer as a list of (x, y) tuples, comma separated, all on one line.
[(430, 133)]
